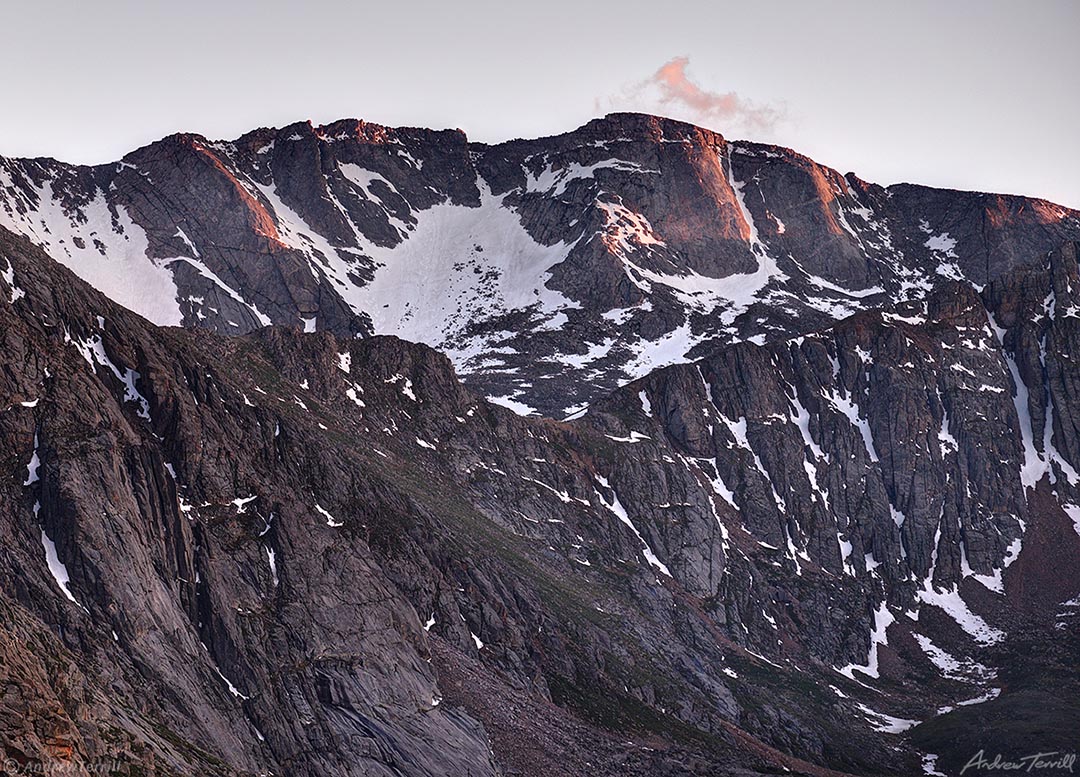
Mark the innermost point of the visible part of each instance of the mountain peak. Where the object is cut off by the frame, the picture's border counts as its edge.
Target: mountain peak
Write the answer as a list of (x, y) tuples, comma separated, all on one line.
[(551, 270)]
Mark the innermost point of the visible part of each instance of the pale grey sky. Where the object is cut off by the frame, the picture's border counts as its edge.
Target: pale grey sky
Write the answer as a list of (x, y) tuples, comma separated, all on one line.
[(976, 94)]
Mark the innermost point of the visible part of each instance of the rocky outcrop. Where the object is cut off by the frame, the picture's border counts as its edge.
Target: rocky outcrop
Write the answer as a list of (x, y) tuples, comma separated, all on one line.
[(550, 270), (297, 553)]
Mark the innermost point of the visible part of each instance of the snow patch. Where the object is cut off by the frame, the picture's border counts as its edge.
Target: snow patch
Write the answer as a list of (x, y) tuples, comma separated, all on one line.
[(646, 405), (333, 524), (1073, 512), (886, 724), (951, 603), (879, 636), (850, 408), (93, 351), (616, 508), (419, 293), (113, 253), (271, 557), (512, 404), (56, 567), (9, 276), (34, 465)]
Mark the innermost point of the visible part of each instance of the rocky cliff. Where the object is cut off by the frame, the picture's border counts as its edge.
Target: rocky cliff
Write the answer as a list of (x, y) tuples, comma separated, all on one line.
[(843, 538), (550, 270), (289, 553)]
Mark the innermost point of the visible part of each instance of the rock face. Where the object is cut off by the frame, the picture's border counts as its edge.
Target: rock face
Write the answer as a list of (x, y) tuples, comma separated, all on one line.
[(292, 553), (839, 541), (550, 270)]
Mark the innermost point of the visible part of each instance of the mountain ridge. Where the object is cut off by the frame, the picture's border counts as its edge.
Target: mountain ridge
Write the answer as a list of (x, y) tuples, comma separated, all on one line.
[(680, 514), (604, 252), (816, 512)]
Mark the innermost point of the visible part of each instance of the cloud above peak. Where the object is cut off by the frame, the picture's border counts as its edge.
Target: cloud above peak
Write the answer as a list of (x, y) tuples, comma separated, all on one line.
[(671, 91)]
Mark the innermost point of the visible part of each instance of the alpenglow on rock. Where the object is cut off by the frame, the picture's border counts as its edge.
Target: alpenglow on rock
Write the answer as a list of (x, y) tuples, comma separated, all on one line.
[(821, 514), (549, 270)]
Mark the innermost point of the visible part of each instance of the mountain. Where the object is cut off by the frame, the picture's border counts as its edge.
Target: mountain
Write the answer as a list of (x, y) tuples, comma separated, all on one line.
[(844, 538), (550, 271)]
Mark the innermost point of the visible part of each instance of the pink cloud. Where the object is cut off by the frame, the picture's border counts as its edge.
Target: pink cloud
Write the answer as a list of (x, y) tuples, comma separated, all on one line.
[(670, 90)]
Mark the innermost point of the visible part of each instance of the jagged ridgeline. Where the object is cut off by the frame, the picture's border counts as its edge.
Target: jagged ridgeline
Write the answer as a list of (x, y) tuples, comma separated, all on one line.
[(818, 511), (550, 271)]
